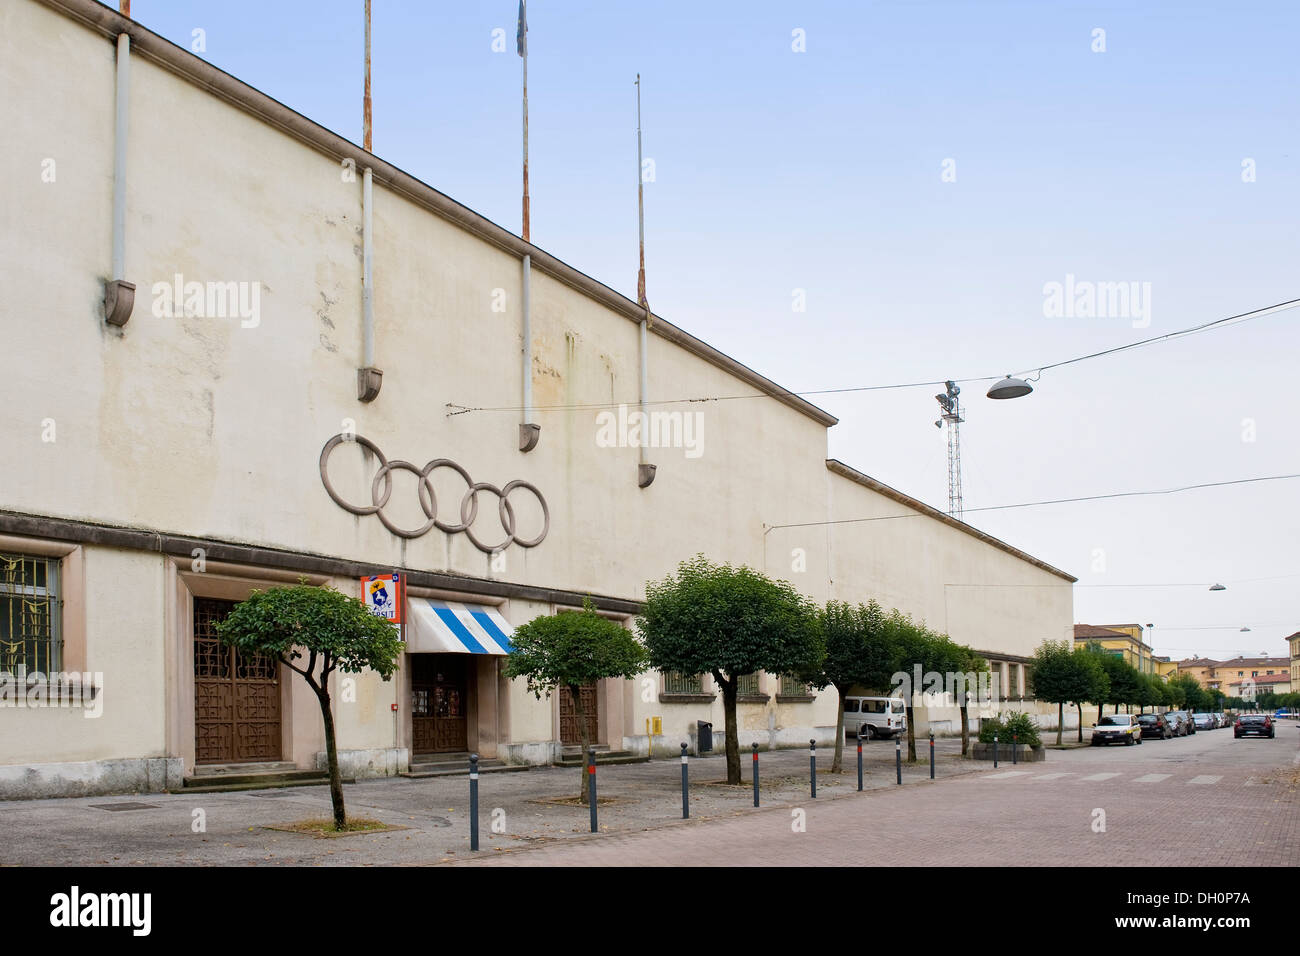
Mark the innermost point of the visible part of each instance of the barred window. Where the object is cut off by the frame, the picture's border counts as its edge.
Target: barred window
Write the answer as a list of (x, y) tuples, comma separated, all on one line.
[(793, 687), (678, 683), (31, 638), (747, 685)]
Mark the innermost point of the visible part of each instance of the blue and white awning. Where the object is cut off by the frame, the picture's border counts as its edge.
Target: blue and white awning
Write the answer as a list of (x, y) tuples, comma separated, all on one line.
[(448, 627)]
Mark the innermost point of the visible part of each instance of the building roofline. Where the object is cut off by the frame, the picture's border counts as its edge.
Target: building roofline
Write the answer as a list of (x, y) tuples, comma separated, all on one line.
[(852, 474), (239, 94)]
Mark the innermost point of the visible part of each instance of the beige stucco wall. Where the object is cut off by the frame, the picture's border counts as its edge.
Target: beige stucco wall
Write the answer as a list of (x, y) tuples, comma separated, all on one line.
[(199, 426), (124, 644)]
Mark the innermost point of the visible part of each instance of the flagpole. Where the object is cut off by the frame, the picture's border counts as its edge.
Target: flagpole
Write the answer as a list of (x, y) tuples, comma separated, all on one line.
[(645, 470), (640, 204), (366, 137), (523, 41)]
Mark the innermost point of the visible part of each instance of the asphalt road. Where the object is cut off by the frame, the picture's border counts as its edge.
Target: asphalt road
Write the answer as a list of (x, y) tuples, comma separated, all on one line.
[(1208, 799)]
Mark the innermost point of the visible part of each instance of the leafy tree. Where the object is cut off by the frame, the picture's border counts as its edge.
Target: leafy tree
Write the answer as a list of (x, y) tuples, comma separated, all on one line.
[(569, 649), (1060, 676), (334, 632), (727, 622), (1123, 678), (857, 653), (972, 667), (915, 644)]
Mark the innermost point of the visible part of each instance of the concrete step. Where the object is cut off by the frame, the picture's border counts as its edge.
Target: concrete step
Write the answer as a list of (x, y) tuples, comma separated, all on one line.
[(238, 769), (603, 758), (422, 770), (257, 781)]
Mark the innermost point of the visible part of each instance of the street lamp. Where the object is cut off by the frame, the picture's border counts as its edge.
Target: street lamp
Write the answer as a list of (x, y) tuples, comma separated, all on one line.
[(1217, 587), (1010, 388)]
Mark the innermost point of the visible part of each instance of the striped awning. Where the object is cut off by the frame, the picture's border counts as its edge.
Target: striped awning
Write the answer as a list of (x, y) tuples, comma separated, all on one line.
[(449, 627)]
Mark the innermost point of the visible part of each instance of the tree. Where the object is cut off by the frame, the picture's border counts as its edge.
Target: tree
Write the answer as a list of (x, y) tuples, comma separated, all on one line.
[(569, 649), (1123, 677), (1060, 676), (333, 630), (972, 668), (1098, 683), (917, 646), (727, 622), (856, 654)]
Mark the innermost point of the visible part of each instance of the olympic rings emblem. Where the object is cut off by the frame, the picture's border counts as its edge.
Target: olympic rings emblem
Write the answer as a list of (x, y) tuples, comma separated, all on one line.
[(381, 488)]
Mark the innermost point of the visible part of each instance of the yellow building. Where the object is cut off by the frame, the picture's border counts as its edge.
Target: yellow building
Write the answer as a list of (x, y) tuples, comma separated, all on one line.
[(1222, 675), (1122, 640), (1294, 641), (1165, 668)]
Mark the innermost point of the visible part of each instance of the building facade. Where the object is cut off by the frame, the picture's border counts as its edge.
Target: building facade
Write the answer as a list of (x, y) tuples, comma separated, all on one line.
[(245, 428), (1120, 640)]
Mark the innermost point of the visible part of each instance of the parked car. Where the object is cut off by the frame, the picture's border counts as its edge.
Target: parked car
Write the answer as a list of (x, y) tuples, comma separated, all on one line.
[(1177, 722), (1117, 728), (1204, 721), (1259, 724), (1221, 719), (1154, 725), (871, 717)]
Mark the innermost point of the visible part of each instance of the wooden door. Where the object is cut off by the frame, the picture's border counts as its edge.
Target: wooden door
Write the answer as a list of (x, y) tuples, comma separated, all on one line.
[(570, 727), (439, 717), (236, 696)]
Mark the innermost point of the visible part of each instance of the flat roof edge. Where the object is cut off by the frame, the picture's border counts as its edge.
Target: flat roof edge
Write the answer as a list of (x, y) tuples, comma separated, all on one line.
[(852, 474)]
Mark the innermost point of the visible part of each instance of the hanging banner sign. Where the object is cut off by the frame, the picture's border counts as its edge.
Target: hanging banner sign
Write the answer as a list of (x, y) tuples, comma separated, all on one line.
[(383, 594)]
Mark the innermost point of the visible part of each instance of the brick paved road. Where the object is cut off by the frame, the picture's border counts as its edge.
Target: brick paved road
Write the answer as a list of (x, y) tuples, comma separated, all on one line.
[(1207, 799)]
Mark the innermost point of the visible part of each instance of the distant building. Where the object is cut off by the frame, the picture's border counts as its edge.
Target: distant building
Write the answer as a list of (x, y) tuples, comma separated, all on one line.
[(1120, 640)]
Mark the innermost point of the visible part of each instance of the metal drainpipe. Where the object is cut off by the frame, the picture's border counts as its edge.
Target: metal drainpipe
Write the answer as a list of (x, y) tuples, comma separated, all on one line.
[(645, 472), (119, 295), (528, 432), (369, 378)]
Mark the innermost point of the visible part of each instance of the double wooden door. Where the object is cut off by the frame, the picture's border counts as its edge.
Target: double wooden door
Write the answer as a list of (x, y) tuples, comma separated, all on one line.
[(570, 725), (236, 696), (439, 712)]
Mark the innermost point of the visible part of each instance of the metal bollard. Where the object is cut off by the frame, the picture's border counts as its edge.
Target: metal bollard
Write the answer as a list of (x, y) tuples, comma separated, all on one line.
[(932, 755), (1015, 739), (898, 758), (755, 774), (859, 763), (812, 765), (473, 801), (686, 799), (995, 751), (591, 789)]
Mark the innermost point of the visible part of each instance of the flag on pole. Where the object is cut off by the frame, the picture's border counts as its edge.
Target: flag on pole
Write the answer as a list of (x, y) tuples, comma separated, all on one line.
[(521, 31)]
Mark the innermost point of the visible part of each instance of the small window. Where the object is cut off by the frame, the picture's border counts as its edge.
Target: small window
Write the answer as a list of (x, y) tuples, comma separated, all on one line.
[(31, 636), (850, 706), (747, 685), (793, 687), (676, 683)]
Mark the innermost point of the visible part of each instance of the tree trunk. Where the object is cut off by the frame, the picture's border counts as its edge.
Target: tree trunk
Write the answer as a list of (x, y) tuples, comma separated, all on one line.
[(1060, 721), (576, 693), (733, 737), (1079, 705), (965, 730), (837, 763), (332, 755), (911, 736)]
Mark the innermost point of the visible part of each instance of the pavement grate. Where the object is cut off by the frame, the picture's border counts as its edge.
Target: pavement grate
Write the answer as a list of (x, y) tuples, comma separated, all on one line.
[(123, 806)]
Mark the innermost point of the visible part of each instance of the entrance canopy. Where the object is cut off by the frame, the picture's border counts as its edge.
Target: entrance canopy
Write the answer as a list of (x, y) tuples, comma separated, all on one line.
[(448, 627)]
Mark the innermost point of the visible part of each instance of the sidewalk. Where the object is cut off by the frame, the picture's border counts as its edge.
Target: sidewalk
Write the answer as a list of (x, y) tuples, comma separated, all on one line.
[(434, 812)]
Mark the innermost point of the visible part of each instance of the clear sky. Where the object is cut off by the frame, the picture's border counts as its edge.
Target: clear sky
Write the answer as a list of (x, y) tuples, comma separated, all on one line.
[(824, 171)]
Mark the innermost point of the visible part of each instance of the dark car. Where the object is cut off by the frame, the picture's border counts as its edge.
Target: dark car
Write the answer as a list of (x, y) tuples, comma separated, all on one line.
[(1185, 723), (1154, 725), (1204, 721), (1259, 724)]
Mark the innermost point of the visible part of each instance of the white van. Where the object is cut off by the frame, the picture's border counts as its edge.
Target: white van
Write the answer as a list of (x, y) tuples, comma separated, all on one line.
[(872, 717)]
